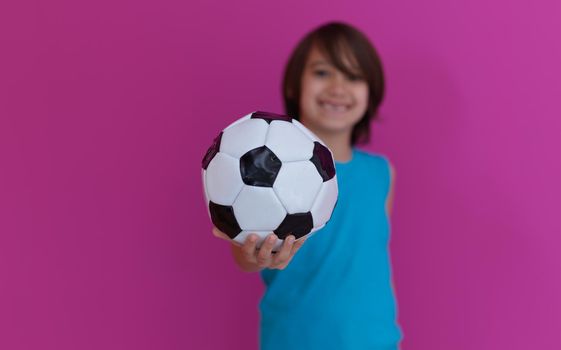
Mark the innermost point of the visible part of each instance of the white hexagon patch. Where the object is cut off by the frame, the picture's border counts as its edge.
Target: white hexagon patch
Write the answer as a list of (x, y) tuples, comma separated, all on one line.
[(288, 142), (258, 209), (297, 185), (223, 179), (243, 137)]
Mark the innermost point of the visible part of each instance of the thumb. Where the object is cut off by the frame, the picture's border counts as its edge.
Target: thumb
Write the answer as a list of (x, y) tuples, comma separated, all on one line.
[(217, 233)]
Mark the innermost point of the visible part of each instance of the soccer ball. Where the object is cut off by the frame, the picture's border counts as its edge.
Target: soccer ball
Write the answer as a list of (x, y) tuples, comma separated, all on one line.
[(268, 173)]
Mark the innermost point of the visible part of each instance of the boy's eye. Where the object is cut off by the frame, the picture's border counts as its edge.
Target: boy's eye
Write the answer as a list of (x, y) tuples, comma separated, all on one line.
[(321, 73)]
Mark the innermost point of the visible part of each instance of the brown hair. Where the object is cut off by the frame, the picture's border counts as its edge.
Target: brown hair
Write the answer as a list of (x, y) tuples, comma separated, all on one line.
[(337, 40)]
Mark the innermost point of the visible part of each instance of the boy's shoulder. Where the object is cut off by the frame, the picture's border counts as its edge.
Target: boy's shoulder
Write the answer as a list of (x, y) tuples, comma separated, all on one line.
[(371, 158), (375, 164)]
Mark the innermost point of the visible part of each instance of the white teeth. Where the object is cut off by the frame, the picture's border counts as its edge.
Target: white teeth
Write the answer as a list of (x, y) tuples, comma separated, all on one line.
[(334, 108)]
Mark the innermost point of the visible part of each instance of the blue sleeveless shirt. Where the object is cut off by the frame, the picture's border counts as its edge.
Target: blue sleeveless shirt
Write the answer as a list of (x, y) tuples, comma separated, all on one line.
[(337, 291)]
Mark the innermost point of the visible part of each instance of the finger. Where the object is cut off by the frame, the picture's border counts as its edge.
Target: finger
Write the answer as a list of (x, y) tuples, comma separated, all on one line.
[(248, 247), (217, 233), (283, 256), (264, 255), (296, 246)]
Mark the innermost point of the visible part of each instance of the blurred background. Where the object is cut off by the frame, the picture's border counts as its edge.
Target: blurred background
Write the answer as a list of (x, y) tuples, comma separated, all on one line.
[(107, 107)]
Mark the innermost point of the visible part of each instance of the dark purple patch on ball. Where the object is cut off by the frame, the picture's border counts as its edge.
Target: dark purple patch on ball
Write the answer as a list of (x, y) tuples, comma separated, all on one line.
[(269, 117), (223, 218), (260, 167), (323, 161), (298, 225), (212, 150)]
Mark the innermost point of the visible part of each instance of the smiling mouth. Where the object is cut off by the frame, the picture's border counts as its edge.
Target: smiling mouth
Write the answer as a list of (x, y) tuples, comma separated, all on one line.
[(334, 107)]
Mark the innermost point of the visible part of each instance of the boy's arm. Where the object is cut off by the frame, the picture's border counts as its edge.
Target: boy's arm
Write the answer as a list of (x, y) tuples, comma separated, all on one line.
[(389, 199)]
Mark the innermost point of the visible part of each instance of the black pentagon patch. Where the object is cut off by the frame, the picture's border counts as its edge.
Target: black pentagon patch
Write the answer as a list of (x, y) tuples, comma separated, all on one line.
[(212, 150), (269, 117), (223, 218), (323, 161), (298, 225), (260, 167)]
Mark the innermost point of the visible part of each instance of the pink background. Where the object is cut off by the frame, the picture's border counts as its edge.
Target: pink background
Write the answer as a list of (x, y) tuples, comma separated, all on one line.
[(107, 107)]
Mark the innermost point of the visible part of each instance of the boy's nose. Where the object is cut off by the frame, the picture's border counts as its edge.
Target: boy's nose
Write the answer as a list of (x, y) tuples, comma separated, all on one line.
[(337, 85)]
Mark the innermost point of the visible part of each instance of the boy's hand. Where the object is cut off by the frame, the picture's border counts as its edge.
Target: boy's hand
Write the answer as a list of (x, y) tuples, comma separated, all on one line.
[(251, 258), (264, 257)]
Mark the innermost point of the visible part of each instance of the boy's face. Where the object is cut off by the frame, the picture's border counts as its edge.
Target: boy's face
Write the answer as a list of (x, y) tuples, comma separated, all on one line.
[(330, 101)]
